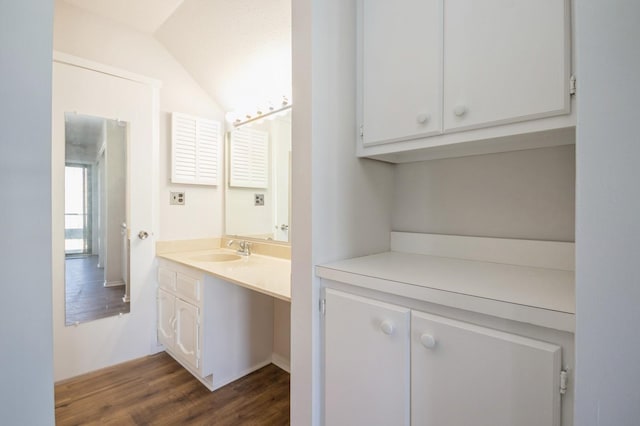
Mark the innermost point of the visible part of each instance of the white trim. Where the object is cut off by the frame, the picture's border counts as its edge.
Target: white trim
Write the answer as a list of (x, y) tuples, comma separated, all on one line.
[(539, 254), (281, 362), (65, 58), (563, 321)]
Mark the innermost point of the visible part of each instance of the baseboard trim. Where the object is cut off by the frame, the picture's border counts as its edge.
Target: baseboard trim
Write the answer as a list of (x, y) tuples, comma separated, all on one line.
[(113, 283), (281, 362)]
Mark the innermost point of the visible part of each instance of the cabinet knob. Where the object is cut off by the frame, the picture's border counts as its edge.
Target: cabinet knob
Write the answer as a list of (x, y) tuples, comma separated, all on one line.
[(422, 118), (387, 327), (460, 110), (428, 341)]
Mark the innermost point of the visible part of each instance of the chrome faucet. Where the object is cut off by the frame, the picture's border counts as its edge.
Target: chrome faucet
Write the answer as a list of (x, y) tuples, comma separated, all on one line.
[(244, 247)]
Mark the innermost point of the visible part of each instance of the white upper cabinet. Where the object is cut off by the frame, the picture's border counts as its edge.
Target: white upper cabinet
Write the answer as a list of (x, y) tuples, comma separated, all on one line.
[(446, 78), (504, 61), (401, 69)]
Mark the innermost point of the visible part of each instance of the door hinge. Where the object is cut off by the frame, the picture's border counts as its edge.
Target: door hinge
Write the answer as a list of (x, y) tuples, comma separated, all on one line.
[(572, 85), (361, 131), (563, 381), (323, 306)]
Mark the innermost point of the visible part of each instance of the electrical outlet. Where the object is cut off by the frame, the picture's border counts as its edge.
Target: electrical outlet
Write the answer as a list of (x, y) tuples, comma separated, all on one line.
[(259, 200), (177, 198)]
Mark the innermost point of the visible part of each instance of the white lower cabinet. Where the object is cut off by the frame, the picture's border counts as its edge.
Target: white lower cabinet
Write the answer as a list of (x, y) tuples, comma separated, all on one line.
[(180, 317), (389, 365), (178, 327), (366, 362), (463, 374), (217, 330)]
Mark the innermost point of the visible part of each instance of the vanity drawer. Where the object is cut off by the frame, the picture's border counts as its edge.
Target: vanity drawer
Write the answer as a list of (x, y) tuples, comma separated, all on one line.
[(167, 278), (188, 287)]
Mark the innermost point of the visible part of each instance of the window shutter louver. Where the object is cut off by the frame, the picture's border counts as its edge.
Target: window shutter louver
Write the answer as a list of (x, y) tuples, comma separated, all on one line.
[(195, 150)]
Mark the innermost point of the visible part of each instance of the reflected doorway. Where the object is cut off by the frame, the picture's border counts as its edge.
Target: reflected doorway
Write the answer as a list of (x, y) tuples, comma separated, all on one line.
[(95, 237)]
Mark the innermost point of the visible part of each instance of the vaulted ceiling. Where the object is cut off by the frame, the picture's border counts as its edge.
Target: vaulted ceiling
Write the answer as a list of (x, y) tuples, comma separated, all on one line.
[(239, 51), (143, 15)]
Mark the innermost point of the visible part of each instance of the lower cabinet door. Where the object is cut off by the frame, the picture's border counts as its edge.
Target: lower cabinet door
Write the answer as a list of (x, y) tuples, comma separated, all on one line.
[(187, 330), (462, 374), (166, 317), (366, 362)]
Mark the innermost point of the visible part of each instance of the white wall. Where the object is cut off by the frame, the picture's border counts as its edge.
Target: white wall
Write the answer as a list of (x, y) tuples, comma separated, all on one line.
[(341, 205), (116, 203), (521, 194), (26, 366), (83, 34), (608, 214), (282, 331)]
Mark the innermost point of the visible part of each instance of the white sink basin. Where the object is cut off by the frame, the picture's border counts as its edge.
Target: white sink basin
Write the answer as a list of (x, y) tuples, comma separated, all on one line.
[(216, 257)]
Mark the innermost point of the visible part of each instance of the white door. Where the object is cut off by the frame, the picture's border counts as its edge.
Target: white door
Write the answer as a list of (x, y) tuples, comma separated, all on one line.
[(462, 374), (166, 318), (401, 69), (187, 330), (366, 362), (504, 61), (97, 344)]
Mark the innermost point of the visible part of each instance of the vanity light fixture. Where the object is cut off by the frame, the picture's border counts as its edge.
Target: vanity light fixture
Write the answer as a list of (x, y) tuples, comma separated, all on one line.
[(260, 114)]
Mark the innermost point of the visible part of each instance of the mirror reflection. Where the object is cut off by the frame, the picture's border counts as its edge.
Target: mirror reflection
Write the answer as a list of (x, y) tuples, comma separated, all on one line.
[(259, 179), (96, 241)]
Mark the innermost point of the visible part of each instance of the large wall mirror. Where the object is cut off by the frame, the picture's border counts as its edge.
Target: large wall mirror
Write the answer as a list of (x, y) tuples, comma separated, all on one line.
[(95, 218), (258, 193)]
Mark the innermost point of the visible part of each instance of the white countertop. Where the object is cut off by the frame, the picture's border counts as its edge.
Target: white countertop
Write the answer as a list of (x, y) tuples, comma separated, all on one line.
[(264, 274), (539, 296)]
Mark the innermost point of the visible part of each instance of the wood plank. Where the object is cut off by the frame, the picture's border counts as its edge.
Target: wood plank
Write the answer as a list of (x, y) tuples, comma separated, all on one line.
[(156, 390)]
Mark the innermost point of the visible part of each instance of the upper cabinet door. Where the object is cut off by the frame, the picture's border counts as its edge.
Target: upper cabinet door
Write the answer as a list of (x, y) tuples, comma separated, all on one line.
[(401, 69), (505, 61)]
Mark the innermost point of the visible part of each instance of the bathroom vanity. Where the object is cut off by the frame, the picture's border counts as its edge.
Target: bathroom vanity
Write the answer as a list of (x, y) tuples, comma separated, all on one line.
[(216, 309)]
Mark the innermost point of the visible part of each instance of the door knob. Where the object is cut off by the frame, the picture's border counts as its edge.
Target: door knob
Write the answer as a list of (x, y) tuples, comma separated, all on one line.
[(143, 235), (387, 327), (428, 341)]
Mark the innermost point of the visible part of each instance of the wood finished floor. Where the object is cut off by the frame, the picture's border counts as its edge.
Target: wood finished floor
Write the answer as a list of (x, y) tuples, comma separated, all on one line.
[(86, 297), (156, 390)]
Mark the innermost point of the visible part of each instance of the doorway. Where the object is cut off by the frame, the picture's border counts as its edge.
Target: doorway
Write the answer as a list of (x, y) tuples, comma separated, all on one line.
[(77, 210)]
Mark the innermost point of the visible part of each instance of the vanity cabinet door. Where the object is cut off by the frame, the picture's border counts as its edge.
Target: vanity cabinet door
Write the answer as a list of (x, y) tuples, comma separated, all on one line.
[(187, 328), (401, 53), (504, 61), (166, 317), (366, 361), (463, 374)]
